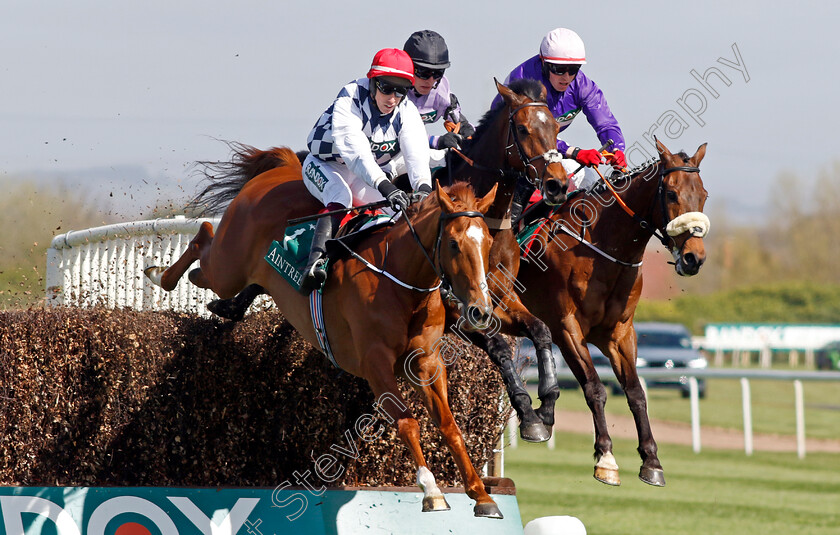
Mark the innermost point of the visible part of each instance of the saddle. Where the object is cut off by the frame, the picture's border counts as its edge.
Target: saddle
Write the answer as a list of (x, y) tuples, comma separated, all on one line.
[(289, 256)]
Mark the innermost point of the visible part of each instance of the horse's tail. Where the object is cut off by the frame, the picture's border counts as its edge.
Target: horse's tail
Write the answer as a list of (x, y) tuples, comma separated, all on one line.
[(226, 179)]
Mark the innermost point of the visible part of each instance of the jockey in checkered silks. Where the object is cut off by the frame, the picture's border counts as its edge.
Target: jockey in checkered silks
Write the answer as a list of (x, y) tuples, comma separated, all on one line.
[(370, 123)]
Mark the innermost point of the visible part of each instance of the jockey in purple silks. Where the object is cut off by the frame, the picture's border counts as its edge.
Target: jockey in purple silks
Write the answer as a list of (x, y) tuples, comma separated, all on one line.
[(570, 92)]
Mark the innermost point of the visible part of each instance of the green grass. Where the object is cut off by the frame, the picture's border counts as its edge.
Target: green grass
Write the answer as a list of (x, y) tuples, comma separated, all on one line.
[(772, 406), (715, 492)]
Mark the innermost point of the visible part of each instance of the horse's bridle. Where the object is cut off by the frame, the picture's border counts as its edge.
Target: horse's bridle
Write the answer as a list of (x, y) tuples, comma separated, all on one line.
[(663, 231), (550, 156), (443, 283)]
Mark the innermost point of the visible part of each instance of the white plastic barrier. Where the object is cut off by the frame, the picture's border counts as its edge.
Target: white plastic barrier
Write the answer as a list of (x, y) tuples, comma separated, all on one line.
[(555, 525), (103, 266)]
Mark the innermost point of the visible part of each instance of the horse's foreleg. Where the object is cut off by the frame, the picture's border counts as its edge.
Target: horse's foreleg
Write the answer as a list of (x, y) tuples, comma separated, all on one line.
[(651, 471), (531, 427), (391, 403), (430, 374), (577, 356), (168, 278)]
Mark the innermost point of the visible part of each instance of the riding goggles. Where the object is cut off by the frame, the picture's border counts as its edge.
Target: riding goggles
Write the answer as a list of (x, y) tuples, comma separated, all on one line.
[(557, 68), (387, 89), (424, 73)]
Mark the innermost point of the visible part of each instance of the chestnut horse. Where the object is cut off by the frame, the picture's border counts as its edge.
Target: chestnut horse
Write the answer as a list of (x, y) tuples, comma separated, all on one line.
[(377, 327), (583, 278), (514, 140), (517, 141)]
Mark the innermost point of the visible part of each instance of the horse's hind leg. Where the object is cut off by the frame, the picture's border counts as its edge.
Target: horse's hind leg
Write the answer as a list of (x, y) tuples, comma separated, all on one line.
[(429, 379), (531, 426), (625, 349), (577, 357), (234, 309), (168, 278), (526, 324)]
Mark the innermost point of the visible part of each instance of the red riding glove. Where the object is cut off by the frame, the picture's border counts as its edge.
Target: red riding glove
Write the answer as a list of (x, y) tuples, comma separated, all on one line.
[(616, 159), (587, 156)]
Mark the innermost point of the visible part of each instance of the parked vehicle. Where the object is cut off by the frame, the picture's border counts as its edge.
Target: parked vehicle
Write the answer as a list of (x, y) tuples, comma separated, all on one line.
[(601, 362), (660, 345), (668, 345), (828, 356)]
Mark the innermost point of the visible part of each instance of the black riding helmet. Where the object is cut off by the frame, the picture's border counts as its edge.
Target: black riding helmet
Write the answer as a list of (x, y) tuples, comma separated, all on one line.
[(427, 49)]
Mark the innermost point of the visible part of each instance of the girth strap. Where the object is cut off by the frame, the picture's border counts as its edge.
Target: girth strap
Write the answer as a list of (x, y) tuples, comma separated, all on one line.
[(317, 311)]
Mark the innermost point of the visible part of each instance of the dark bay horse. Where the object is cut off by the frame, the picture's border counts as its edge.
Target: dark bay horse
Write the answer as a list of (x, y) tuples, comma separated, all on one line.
[(377, 328), (514, 142), (583, 278)]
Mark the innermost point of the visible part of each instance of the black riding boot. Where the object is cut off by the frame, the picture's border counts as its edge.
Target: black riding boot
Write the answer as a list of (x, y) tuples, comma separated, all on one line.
[(315, 272)]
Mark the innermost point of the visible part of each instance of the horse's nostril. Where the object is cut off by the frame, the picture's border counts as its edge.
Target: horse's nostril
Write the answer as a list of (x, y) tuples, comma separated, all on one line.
[(479, 316), (554, 188), (689, 259)]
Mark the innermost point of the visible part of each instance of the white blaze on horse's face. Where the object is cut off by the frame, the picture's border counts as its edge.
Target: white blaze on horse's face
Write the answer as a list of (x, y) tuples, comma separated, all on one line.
[(542, 117), (477, 234)]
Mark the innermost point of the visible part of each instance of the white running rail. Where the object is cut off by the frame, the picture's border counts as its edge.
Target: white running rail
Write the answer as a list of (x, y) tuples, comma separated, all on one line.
[(103, 266)]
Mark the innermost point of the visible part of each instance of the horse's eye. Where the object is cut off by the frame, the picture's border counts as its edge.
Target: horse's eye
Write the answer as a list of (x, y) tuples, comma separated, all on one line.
[(522, 130), (453, 246), (671, 196)]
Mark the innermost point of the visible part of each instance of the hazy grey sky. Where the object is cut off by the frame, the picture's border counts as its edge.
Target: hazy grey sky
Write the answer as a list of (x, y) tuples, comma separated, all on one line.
[(94, 84)]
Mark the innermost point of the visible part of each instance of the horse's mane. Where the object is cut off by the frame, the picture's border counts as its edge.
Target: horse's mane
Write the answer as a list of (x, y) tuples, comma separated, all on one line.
[(226, 179), (522, 86), (462, 192)]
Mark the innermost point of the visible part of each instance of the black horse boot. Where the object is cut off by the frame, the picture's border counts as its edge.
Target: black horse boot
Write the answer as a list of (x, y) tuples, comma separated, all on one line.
[(315, 272), (521, 196), (548, 390)]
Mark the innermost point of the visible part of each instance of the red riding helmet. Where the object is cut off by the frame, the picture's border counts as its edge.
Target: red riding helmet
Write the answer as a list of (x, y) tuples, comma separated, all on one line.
[(392, 62)]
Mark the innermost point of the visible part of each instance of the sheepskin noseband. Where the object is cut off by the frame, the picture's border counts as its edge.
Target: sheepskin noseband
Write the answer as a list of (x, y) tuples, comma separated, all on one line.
[(697, 223)]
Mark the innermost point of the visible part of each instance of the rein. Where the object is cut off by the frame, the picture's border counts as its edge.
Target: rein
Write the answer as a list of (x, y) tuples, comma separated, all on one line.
[(442, 282), (644, 223), (551, 156)]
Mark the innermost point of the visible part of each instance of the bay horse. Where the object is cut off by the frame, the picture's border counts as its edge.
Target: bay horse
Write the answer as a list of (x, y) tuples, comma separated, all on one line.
[(514, 140), (582, 276), (378, 328)]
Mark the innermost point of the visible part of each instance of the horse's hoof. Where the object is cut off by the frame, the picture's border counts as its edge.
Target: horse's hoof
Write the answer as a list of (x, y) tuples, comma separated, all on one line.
[(535, 432), (607, 475), (435, 503), (652, 476), (154, 274), (225, 309), (487, 510)]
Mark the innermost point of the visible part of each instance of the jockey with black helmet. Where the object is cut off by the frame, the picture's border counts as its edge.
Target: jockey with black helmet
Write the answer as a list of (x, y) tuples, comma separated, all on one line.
[(369, 124), (432, 98), (431, 94)]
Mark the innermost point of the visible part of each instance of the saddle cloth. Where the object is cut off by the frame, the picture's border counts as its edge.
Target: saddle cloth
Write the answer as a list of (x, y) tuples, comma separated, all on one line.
[(289, 256)]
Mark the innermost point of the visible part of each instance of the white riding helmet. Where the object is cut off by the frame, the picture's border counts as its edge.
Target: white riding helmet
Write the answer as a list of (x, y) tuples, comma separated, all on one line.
[(563, 46)]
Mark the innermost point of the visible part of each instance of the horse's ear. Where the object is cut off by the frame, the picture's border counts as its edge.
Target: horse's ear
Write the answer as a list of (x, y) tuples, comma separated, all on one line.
[(508, 96), (698, 156), (445, 202), (664, 153), (487, 200)]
